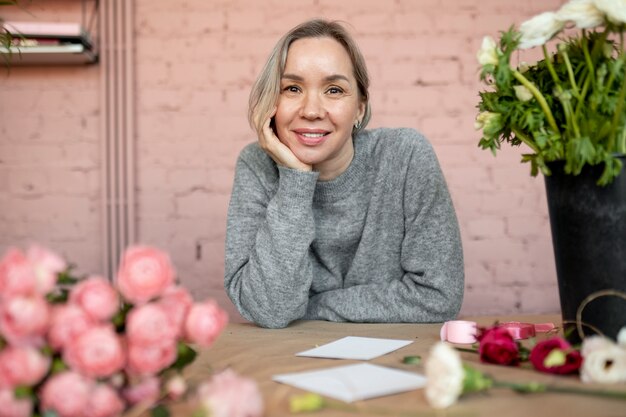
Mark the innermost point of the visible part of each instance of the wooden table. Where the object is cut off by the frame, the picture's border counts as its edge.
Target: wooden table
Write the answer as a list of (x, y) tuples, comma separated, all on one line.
[(261, 353)]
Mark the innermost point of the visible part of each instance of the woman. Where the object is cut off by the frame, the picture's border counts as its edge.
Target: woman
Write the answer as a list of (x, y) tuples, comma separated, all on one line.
[(328, 221)]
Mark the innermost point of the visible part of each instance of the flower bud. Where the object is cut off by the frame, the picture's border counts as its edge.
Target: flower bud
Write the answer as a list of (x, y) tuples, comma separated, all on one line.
[(487, 54), (522, 93)]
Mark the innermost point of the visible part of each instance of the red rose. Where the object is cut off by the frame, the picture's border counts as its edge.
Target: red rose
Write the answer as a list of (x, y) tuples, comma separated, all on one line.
[(498, 346), (565, 360)]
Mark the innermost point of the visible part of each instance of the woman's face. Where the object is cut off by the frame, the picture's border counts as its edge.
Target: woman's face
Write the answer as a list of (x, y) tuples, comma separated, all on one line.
[(318, 104)]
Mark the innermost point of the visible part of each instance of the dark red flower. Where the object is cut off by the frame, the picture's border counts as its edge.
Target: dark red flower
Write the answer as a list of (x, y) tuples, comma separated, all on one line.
[(569, 364), (496, 345)]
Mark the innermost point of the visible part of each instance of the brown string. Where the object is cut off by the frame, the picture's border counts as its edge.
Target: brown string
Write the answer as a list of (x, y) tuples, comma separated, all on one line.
[(586, 301)]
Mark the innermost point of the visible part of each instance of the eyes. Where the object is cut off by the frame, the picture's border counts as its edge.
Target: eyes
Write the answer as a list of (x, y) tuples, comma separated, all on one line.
[(294, 89)]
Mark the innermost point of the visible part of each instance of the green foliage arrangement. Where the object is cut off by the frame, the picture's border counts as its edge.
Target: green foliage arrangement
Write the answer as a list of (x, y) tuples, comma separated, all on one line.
[(5, 37), (569, 106)]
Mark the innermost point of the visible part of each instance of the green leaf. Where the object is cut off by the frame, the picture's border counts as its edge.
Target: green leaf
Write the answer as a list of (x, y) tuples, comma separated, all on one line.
[(186, 355), (412, 360), (160, 411)]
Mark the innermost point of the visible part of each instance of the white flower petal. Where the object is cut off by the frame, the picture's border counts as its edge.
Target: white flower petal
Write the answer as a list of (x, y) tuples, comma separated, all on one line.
[(444, 373), (540, 29), (583, 13), (621, 337), (615, 9), (607, 365)]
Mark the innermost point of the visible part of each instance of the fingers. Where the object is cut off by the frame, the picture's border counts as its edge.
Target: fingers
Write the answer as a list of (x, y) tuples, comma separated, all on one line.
[(278, 151)]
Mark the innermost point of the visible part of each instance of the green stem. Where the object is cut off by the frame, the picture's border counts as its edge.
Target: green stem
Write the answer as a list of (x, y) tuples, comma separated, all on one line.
[(460, 349), (570, 72), (525, 139), (548, 60), (592, 71), (583, 94), (533, 387), (540, 99)]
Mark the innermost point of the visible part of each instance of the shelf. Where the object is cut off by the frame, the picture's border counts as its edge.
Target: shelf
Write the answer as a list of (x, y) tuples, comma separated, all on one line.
[(70, 54)]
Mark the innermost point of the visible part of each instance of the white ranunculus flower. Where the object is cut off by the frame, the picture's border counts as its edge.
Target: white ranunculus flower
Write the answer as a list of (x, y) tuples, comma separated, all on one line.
[(522, 93), (603, 361), (487, 54), (540, 29), (444, 376), (583, 13), (486, 120), (615, 10)]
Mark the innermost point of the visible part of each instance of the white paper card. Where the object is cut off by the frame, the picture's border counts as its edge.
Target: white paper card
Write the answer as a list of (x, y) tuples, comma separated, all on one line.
[(354, 382), (352, 347)]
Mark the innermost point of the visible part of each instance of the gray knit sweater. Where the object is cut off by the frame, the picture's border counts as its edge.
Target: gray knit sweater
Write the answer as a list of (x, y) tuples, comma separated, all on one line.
[(379, 243)]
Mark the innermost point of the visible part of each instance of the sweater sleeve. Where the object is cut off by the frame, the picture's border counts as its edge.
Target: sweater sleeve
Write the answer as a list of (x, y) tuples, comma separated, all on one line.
[(269, 231), (430, 288)]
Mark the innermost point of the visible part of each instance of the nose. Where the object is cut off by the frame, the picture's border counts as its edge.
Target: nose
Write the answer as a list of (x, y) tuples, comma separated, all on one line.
[(312, 107)]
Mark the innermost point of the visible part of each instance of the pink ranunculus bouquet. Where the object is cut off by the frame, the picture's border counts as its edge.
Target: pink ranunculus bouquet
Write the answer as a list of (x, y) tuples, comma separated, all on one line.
[(95, 348)]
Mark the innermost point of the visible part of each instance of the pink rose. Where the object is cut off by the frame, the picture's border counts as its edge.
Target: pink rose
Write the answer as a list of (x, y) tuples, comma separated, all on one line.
[(149, 324), (14, 407), (17, 276), (47, 265), (68, 321), (498, 346), (205, 321), (24, 320), (176, 301), (97, 297), (570, 359), (151, 359), (67, 393), (229, 395), (96, 353), (146, 391), (144, 274), (22, 366), (104, 402)]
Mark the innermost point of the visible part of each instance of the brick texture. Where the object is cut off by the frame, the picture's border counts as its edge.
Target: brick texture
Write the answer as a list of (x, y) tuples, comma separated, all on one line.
[(195, 63)]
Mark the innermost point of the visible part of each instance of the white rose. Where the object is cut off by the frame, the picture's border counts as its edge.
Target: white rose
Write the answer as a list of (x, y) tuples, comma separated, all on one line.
[(487, 54), (522, 93), (583, 13), (615, 9), (606, 366), (444, 376), (539, 29)]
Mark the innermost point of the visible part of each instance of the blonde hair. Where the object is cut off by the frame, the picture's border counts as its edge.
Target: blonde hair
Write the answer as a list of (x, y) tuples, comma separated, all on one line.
[(266, 89)]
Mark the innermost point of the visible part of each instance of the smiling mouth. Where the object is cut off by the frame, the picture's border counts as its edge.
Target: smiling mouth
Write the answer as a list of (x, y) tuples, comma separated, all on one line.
[(312, 138)]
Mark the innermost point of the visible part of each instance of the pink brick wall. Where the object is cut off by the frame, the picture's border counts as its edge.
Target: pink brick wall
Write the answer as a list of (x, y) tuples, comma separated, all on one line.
[(195, 62)]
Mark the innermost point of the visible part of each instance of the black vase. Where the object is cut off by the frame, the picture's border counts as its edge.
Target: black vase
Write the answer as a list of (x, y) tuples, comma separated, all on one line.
[(588, 224)]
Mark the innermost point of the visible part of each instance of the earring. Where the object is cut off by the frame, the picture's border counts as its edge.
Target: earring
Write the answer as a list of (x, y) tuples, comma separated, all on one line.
[(357, 124)]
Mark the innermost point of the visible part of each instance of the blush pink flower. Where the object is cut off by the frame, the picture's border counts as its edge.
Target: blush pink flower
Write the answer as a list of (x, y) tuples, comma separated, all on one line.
[(97, 297), (147, 391), (17, 276), (176, 301), (67, 322), (151, 359), (14, 407), (498, 346), (567, 360), (149, 324), (205, 321), (24, 320), (47, 265), (22, 366), (229, 395), (66, 393), (104, 401), (144, 274), (175, 387), (96, 353)]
